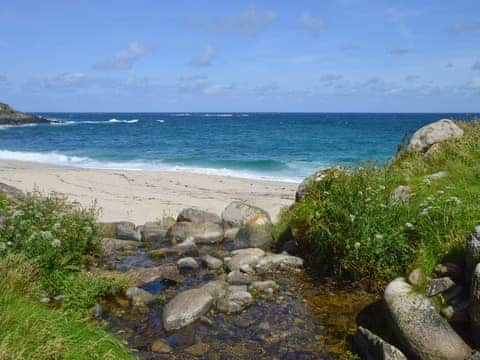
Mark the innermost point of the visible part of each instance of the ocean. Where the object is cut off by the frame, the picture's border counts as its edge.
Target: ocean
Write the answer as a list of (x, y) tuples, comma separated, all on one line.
[(273, 146)]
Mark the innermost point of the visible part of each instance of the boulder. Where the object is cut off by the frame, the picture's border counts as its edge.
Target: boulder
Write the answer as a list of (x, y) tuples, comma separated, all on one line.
[(372, 347), (437, 286), (433, 133), (143, 275), (422, 331), (239, 213), (278, 262), (202, 233), (236, 299), (187, 264), (244, 257), (139, 297), (238, 278), (263, 285), (212, 262), (186, 307), (152, 233), (256, 233), (401, 194), (472, 256), (198, 216), (474, 309), (127, 231)]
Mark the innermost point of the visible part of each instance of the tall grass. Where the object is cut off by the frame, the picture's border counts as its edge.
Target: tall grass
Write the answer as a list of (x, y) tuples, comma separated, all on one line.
[(349, 224)]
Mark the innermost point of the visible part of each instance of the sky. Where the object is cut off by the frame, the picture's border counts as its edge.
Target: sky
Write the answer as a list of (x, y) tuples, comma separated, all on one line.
[(272, 56)]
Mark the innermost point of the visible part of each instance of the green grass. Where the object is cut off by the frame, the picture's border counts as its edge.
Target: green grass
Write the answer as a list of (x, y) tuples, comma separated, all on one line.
[(46, 248), (349, 224)]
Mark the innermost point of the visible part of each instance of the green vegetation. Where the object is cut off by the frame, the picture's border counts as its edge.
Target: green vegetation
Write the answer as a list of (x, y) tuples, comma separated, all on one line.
[(350, 225), (46, 248)]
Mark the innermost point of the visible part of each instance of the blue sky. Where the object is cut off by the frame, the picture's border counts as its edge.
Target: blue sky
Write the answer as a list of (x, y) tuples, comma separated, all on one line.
[(329, 55)]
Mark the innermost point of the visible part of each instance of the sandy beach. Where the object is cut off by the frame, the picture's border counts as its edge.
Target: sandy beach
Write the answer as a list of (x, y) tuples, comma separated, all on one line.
[(141, 196)]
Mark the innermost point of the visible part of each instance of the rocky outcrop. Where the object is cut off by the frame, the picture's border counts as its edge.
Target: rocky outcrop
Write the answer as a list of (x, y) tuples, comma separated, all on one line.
[(9, 116), (434, 133), (372, 347), (256, 233), (237, 214), (423, 333)]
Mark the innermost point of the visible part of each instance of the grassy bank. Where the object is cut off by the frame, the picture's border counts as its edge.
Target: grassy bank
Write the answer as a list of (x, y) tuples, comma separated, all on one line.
[(349, 224), (46, 247)]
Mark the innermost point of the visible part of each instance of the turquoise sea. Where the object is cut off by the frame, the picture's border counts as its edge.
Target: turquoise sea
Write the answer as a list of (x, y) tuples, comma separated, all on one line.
[(277, 146)]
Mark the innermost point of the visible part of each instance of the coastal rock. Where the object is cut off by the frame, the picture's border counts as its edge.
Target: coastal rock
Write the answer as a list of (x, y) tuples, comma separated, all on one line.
[(187, 264), (109, 245), (372, 347), (422, 331), (152, 233), (202, 233), (198, 216), (236, 299), (238, 278), (212, 262), (256, 233), (9, 116), (239, 213), (472, 255), (278, 262), (416, 277), (139, 297), (11, 191), (437, 286), (127, 231), (433, 133), (186, 307), (401, 194), (474, 310), (216, 288), (244, 257)]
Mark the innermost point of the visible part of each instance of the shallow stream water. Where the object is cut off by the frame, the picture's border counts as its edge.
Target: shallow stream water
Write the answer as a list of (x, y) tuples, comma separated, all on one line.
[(306, 319)]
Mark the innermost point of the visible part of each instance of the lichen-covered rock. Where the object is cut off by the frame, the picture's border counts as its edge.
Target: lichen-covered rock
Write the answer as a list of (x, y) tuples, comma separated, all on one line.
[(372, 347), (126, 230), (439, 285), (256, 233), (198, 216), (422, 331), (433, 133), (278, 262), (186, 307), (238, 213), (202, 233)]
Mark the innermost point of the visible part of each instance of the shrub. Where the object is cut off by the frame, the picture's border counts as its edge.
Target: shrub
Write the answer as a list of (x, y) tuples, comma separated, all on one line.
[(350, 224)]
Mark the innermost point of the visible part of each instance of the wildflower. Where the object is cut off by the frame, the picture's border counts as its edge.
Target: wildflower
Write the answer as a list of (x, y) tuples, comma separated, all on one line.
[(424, 211), (17, 213), (360, 193), (430, 198), (9, 243), (383, 206), (409, 225), (356, 245), (440, 192), (367, 200), (3, 246), (378, 237), (381, 187), (455, 200), (56, 242), (46, 234), (352, 218)]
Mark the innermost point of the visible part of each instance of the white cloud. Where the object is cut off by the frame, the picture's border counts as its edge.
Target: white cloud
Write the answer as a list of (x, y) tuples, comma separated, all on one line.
[(67, 80), (200, 85), (311, 24), (205, 58), (125, 58)]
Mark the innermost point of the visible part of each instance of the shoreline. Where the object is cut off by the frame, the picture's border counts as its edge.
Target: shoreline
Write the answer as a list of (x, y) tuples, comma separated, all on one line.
[(146, 195)]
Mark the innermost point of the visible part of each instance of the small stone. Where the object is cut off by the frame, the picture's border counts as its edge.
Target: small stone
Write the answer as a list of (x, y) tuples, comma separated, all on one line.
[(212, 262), (416, 277), (263, 285), (197, 349), (45, 300), (235, 300), (268, 291), (139, 297), (401, 194), (161, 346), (207, 321), (437, 286), (238, 278), (187, 264), (59, 297)]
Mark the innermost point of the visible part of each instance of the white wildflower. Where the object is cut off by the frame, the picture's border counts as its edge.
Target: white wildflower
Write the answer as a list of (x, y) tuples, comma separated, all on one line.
[(56, 242), (455, 200), (440, 192), (409, 225), (46, 235), (360, 193), (383, 206), (3, 246), (9, 243), (424, 211), (352, 218), (381, 187), (17, 213), (357, 245), (379, 237)]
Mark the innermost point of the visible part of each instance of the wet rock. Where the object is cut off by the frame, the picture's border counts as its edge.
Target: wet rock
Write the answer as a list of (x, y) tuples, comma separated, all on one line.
[(139, 297), (198, 216), (187, 264), (212, 262), (474, 310), (422, 331), (109, 245), (244, 257), (451, 270), (237, 214), (186, 307), (401, 194), (256, 233), (161, 346), (127, 231), (472, 256), (372, 347), (437, 286), (278, 262), (216, 288), (238, 278), (236, 299), (416, 277), (433, 133), (198, 349), (201, 233), (264, 285), (141, 275), (186, 248)]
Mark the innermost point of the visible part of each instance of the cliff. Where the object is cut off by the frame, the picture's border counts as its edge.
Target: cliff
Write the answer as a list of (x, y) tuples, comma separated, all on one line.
[(9, 116)]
